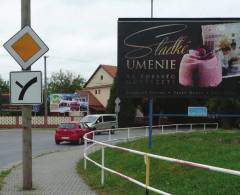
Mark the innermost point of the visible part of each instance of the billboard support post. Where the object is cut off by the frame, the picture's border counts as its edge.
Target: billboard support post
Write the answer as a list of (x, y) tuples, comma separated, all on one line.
[(150, 115)]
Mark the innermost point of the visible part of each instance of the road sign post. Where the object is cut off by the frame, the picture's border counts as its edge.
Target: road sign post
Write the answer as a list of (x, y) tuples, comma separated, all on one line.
[(26, 47), (117, 108), (150, 121), (26, 114)]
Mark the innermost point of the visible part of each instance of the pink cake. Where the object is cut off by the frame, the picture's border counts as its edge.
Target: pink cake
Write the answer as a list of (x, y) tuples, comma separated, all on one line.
[(200, 69)]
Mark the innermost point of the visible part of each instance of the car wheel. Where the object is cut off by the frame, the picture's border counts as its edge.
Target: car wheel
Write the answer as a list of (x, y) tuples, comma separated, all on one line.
[(96, 133), (112, 131), (57, 142), (81, 141)]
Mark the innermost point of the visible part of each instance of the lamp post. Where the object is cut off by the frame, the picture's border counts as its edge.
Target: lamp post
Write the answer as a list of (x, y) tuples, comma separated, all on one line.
[(45, 90)]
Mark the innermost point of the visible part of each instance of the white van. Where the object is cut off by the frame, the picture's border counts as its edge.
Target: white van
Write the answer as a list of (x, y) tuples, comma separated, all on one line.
[(101, 121)]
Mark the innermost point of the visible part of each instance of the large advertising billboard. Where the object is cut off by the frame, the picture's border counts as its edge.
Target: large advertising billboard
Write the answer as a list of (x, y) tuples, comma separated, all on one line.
[(67, 102), (178, 57)]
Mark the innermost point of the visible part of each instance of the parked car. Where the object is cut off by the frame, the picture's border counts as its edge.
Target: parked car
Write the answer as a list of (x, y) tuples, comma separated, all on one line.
[(72, 132), (101, 121)]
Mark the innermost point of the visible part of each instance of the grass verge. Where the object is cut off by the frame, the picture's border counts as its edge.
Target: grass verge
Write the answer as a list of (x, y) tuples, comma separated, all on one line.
[(218, 148), (3, 174)]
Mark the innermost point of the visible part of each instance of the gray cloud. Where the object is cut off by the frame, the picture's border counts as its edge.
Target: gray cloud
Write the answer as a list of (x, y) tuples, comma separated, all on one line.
[(82, 34)]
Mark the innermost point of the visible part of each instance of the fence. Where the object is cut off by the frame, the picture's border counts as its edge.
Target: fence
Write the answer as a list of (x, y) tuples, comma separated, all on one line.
[(37, 121), (147, 156)]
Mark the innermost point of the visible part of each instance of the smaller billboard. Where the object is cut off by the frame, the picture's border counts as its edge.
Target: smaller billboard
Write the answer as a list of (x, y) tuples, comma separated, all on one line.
[(67, 102), (197, 111)]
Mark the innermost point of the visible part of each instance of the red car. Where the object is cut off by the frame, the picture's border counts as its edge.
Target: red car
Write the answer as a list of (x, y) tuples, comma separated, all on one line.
[(72, 132)]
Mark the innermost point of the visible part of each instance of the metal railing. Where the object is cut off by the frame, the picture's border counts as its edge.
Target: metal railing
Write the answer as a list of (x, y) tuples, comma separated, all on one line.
[(161, 129)]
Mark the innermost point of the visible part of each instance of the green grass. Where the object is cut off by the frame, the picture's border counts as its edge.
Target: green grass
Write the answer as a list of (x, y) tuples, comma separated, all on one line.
[(219, 148), (3, 174)]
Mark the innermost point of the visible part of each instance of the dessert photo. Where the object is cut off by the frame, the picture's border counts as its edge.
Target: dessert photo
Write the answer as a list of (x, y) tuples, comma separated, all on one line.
[(201, 68), (224, 41), (218, 58)]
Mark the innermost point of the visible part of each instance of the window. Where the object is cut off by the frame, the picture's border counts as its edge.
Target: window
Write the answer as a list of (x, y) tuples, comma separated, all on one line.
[(100, 119), (109, 118), (89, 119), (83, 126), (101, 77), (97, 91), (67, 126)]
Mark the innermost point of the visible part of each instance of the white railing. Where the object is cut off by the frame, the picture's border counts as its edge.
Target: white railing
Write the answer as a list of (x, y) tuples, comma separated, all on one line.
[(156, 130)]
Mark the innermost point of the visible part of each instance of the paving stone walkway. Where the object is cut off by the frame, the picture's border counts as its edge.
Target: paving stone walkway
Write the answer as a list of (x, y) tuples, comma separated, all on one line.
[(52, 174)]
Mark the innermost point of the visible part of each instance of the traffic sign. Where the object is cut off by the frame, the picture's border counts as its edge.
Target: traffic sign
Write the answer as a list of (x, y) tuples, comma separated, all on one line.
[(117, 100), (36, 108), (117, 106), (26, 47), (26, 87)]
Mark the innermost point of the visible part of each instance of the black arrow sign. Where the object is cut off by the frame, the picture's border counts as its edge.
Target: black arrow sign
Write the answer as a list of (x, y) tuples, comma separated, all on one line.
[(24, 88)]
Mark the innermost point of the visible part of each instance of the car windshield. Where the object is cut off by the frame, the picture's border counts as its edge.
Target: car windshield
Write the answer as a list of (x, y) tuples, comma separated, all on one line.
[(83, 125), (67, 126), (89, 119)]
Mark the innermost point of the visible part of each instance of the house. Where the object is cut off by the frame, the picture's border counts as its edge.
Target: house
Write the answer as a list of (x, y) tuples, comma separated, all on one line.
[(99, 85), (94, 105)]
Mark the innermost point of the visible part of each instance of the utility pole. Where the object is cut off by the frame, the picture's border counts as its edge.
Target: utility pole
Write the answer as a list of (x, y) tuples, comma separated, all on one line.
[(26, 113), (45, 90)]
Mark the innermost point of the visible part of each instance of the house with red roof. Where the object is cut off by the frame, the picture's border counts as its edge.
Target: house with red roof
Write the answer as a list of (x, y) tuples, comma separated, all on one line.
[(98, 87)]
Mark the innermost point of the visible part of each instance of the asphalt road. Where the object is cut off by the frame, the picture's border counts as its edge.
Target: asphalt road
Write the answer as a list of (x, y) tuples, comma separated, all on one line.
[(43, 142), (11, 145)]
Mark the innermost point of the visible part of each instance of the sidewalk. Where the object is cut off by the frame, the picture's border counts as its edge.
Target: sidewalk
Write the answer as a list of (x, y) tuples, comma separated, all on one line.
[(53, 173)]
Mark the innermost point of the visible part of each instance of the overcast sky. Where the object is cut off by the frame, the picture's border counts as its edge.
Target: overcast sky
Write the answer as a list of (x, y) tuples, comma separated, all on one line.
[(81, 34)]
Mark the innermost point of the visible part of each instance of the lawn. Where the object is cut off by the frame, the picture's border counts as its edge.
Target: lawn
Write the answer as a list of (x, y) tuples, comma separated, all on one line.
[(3, 174), (217, 148)]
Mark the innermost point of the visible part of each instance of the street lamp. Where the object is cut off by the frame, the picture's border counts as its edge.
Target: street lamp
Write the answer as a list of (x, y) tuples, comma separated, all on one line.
[(45, 89)]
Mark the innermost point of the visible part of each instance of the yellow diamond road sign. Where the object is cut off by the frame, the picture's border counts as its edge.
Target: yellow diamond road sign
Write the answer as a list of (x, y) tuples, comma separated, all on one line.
[(26, 47)]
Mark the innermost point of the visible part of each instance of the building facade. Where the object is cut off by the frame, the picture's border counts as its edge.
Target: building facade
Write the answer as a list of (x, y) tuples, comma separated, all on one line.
[(100, 83)]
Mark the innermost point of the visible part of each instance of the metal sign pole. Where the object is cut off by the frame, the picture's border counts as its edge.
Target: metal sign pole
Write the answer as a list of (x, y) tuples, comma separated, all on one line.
[(117, 109), (150, 106), (117, 120), (26, 114), (150, 115)]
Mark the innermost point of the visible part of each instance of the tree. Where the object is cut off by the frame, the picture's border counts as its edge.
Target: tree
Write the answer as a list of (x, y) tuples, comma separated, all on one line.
[(126, 115), (225, 106), (111, 100), (4, 85), (65, 82)]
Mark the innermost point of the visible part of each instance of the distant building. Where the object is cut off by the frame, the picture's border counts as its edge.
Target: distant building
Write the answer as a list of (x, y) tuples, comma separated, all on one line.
[(98, 87)]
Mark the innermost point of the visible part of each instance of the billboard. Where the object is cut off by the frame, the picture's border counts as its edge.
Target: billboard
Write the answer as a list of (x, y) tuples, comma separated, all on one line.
[(178, 57), (67, 102)]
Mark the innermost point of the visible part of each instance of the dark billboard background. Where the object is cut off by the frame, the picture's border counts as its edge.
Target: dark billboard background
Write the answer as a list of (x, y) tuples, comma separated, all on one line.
[(178, 57)]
